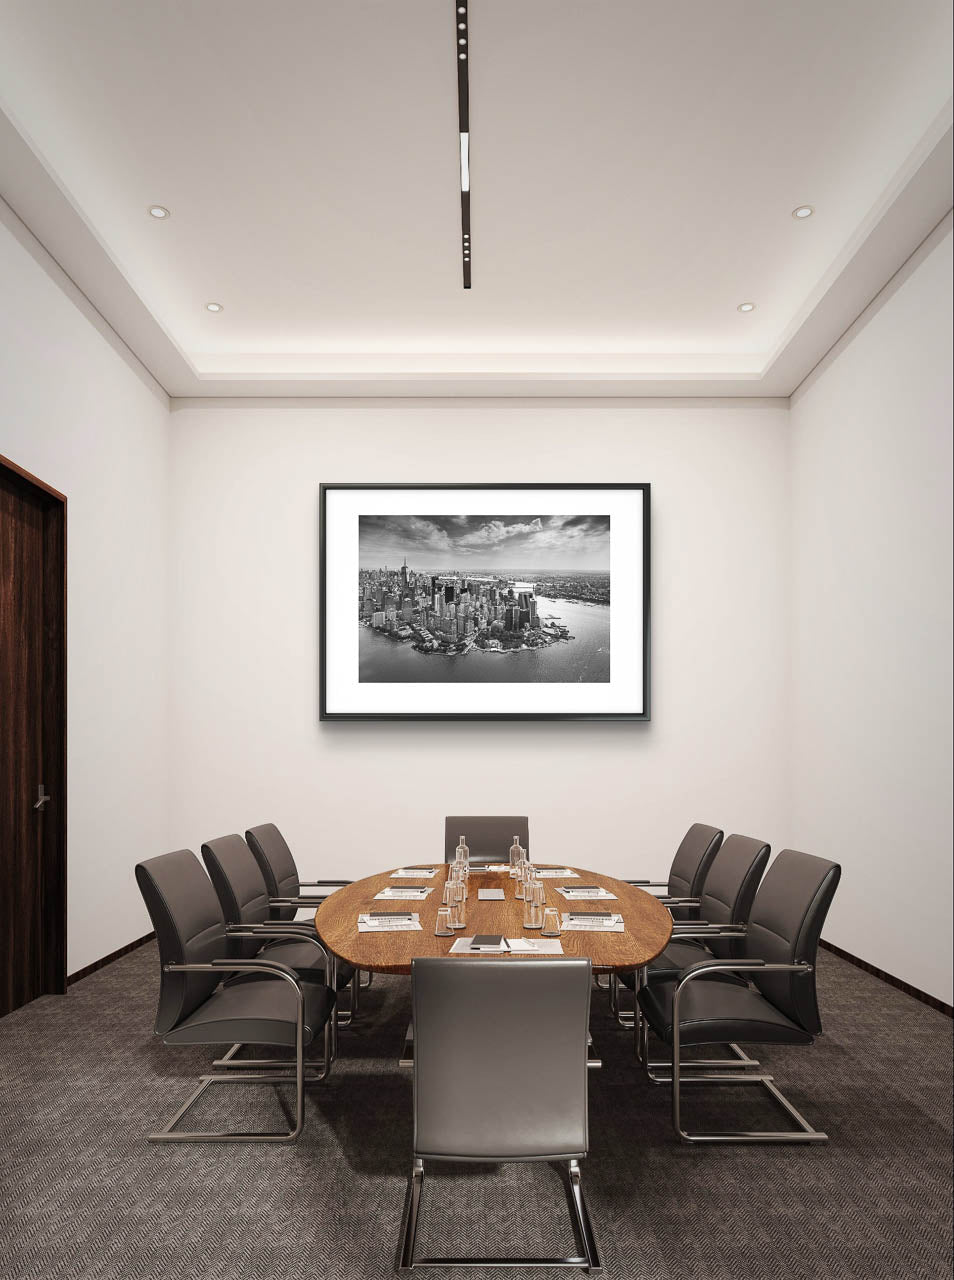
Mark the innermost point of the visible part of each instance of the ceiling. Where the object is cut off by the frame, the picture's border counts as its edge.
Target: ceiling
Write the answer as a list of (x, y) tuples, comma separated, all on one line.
[(634, 167)]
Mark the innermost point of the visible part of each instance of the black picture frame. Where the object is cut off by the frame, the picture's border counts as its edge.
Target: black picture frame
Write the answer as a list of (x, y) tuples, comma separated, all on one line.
[(643, 715)]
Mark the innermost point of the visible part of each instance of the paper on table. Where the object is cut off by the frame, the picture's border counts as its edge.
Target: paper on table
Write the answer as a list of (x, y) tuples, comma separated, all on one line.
[(490, 895), (518, 946), (415, 895), (585, 895), (498, 866), (414, 873), (366, 925), (536, 946), (462, 947), (553, 873), (616, 925)]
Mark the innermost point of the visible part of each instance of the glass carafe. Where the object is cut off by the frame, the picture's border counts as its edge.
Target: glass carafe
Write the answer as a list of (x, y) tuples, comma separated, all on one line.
[(462, 853), (515, 856)]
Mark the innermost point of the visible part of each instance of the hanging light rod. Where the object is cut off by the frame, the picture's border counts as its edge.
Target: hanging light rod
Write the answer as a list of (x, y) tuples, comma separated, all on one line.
[(462, 48)]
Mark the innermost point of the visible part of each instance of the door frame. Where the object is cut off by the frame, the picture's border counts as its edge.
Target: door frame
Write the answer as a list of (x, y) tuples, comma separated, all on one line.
[(53, 850)]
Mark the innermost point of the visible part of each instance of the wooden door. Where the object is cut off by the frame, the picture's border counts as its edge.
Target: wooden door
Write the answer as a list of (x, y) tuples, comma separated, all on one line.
[(32, 739)]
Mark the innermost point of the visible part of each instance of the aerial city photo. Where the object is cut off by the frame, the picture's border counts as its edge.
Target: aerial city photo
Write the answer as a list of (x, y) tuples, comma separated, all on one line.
[(484, 599)]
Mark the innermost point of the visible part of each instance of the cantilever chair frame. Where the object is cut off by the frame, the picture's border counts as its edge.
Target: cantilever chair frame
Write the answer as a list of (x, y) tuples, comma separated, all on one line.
[(588, 1260), (712, 1075), (298, 1078), (281, 930), (633, 1019)]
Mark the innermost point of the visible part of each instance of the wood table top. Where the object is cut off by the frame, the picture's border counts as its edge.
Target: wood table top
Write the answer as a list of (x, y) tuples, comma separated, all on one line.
[(648, 925)]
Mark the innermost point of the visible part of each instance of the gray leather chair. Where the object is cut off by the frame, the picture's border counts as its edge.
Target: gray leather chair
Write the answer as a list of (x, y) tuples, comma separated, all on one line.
[(777, 1005), (285, 897), (688, 872), (727, 895), (280, 873), (488, 838), (479, 1023), (197, 1007), (237, 878)]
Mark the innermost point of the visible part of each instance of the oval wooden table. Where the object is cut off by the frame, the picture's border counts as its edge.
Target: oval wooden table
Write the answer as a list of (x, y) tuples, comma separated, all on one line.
[(648, 925)]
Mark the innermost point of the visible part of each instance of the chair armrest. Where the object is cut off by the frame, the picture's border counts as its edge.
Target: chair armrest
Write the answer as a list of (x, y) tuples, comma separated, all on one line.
[(315, 884), (680, 902), (266, 931), (649, 884), (702, 929), (733, 966), (240, 966), (313, 901)]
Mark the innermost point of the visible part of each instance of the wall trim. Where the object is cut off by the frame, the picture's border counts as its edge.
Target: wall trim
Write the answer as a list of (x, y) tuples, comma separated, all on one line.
[(892, 981), (113, 955)]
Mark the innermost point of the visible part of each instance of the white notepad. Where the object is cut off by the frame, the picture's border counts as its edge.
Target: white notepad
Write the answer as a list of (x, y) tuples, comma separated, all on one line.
[(490, 895), (615, 925), (414, 873), (414, 895), (556, 873), (516, 946), (367, 925), (585, 895)]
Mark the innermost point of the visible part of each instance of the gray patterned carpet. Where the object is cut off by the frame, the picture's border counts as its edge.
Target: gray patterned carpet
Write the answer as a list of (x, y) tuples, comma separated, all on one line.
[(83, 1197)]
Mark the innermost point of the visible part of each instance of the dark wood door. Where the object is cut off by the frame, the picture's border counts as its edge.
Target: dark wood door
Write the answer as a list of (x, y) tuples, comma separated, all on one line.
[(32, 739)]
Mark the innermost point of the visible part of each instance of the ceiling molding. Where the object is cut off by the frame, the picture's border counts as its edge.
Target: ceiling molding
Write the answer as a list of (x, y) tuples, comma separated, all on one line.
[(913, 204)]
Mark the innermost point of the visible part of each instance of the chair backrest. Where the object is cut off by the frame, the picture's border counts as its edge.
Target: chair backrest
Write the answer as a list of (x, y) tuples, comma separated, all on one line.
[(729, 888), (785, 925), (240, 885), (190, 929), (689, 867), (488, 838), (483, 1029), (276, 864)]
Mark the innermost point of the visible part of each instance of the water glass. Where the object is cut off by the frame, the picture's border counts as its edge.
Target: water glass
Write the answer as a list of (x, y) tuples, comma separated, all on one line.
[(443, 928), (459, 906), (534, 898), (551, 923)]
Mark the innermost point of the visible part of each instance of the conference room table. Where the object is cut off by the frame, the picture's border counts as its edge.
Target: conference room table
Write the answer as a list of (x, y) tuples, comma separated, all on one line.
[(647, 924)]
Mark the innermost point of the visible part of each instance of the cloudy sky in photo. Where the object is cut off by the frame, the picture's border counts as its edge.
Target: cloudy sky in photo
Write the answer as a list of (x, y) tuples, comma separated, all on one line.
[(503, 544)]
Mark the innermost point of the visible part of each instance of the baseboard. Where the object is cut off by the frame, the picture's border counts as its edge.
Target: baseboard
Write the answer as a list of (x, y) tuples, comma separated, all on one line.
[(891, 979), (113, 955)]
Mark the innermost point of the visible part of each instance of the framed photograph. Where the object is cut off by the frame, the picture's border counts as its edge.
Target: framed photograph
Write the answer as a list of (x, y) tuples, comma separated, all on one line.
[(484, 602)]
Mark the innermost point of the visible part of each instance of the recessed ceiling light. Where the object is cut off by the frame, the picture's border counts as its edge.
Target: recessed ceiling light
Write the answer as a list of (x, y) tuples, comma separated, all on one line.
[(746, 306), (214, 306), (803, 211), (159, 211)]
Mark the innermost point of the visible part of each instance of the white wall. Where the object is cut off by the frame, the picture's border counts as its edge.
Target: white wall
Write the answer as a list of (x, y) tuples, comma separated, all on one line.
[(871, 673), (247, 743), (75, 412)]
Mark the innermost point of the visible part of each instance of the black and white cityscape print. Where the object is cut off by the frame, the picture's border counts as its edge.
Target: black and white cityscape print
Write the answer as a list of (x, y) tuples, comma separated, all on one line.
[(510, 599)]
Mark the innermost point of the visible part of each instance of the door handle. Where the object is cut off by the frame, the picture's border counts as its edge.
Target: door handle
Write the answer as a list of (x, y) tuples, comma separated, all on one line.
[(42, 797)]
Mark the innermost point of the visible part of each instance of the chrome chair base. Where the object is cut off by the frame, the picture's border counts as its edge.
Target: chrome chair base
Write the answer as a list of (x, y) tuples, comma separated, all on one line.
[(712, 1071), (294, 1073), (804, 1133), (588, 1260)]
